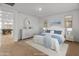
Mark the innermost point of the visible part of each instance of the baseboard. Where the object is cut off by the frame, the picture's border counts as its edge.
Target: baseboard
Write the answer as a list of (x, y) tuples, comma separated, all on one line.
[(16, 40), (72, 41), (25, 38)]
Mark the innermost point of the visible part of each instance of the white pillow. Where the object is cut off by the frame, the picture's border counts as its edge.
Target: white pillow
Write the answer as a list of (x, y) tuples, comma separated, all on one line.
[(52, 32)]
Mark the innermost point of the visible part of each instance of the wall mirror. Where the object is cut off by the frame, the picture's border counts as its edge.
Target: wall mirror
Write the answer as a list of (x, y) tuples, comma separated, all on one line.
[(27, 23)]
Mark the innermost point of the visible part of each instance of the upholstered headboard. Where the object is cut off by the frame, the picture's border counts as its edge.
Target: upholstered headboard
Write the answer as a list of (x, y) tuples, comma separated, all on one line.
[(58, 30)]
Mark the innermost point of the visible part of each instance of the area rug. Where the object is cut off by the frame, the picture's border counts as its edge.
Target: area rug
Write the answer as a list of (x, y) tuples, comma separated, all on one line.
[(49, 52)]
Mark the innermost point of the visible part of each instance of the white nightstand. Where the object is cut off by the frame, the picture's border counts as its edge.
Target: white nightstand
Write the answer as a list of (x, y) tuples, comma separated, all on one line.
[(69, 36)]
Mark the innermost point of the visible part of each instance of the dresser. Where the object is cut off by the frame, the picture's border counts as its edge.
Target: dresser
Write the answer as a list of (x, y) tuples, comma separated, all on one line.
[(27, 33)]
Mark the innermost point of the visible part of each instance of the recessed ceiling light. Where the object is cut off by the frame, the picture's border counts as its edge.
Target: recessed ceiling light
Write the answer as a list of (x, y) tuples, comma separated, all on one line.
[(0, 11), (0, 14), (40, 9)]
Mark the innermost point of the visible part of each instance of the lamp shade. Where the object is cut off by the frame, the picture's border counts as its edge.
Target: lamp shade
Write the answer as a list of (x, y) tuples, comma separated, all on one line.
[(44, 28)]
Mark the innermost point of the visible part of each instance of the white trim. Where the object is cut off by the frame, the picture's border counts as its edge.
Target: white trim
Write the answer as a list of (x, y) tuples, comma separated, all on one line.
[(15, 40)]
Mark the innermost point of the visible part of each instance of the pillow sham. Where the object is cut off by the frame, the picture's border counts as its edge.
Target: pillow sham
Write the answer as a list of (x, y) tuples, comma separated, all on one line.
[(57, 32)]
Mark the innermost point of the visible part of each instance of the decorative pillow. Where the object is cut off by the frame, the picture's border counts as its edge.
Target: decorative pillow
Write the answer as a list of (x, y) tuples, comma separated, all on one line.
[(57, 32), (47, 31), (52, 32)]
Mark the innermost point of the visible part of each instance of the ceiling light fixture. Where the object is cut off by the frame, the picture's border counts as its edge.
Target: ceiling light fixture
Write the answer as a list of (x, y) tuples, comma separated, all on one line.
[(40, 9)]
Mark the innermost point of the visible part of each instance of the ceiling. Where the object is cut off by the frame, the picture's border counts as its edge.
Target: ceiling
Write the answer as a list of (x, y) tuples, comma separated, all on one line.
[(41, 10)]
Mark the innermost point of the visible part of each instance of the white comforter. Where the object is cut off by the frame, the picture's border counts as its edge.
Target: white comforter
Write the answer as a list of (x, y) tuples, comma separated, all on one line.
[(53, 42)]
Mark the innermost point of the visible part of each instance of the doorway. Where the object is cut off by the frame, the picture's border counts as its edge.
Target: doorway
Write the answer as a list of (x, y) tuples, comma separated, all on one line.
[(6, 27)]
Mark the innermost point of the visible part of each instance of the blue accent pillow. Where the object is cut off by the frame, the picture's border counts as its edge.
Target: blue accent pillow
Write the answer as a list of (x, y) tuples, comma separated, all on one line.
[(47, 31), (57, 32)]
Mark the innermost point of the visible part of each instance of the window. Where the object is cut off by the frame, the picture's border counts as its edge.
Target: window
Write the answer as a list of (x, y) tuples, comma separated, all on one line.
[(68, 21), (7, 20), (0, 23), (68, 26)]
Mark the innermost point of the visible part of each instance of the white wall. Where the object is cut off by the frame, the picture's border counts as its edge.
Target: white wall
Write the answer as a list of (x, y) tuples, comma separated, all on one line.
[(75, 24), (19, 24)]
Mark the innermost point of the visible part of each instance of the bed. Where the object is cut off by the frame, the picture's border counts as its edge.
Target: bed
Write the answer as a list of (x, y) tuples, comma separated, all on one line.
[(50, 39)]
